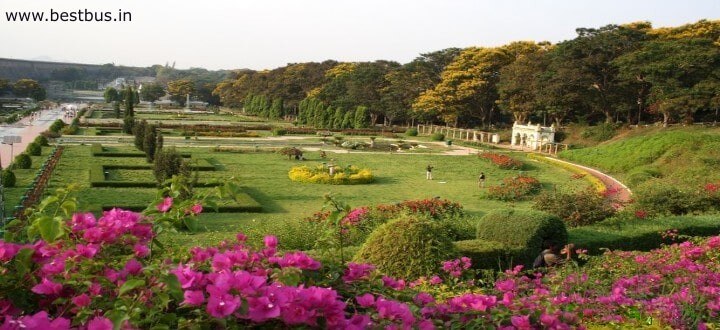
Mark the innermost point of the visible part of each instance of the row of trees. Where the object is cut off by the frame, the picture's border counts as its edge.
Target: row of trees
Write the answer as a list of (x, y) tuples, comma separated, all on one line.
[(313, 112), (629, 73), (177, 89), (23, 88)]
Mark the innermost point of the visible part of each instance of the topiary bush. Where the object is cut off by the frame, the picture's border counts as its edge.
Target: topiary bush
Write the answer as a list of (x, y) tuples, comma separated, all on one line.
[(437, 137), (8, 179), (575, 208), (412, 131), (407, 247), (23, 161), (321, 174), (41, 140), (279, 131), (525, 230), (34, 149), (487, 254), (56, 126)]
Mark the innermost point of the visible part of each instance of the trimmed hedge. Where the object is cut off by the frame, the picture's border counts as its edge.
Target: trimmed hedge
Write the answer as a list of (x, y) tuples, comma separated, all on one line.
[(488, 254), (321, 175), (22, 161), (407, 247), (244, 203), (8, 179), (34, 149), (97, 178), (526, 230), (437, 137), (96, 149), (640, 235)]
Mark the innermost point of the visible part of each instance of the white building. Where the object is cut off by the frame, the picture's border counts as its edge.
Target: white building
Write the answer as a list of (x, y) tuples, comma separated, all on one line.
[(532, 136)]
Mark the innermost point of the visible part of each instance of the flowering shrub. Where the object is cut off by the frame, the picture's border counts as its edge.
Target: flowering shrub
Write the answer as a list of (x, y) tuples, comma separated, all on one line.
[(504, 162), (515, 188), (321, 174), (103, 275), (575, 208)]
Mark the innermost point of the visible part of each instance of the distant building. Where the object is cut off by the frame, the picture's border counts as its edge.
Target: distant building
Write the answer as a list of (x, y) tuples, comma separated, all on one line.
[(532, 136)]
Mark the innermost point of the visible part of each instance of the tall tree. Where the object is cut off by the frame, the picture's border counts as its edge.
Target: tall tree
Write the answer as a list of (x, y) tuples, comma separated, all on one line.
[(152, 92), (29, 88), (179, 89), (684, 75), (111, 95)]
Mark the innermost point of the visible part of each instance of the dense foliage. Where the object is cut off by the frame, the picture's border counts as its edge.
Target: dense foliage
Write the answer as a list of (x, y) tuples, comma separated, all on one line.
[(527, 230), (502, 161), (321, 174), (580, 208), (408, 247), (514, 188)]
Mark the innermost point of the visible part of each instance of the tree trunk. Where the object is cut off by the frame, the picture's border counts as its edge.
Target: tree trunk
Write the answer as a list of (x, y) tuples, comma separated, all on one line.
[(666, 119)]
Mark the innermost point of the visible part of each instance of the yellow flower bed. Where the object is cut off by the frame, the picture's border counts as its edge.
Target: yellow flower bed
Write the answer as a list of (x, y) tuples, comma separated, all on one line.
[(321, 174), (595, 182)]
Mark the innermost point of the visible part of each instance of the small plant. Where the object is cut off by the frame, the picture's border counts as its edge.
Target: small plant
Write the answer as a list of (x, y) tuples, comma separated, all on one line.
[(34, 149), (23, 161), (515, 188), (504, 162), (411, 131), (41, 140), (437, 137), (8, 178), (279, 131)]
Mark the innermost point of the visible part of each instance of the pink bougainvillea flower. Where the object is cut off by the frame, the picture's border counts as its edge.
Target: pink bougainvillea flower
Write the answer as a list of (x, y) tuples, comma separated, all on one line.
[(521, 322), (222, 305), (422, 299), (193, 298), (47, 287), (240, 237), (100, 323), (355, 272), (165, 205), (38, 321), (196, 209), (270, 241), (141, 250), (8, 250), (262, 308), (365, 300), (359, 322), (297, 260), (81, 301), (133, 267)]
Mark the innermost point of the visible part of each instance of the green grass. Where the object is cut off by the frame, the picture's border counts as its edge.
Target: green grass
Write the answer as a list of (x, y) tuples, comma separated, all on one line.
[(264, 178), (682, 156), (24, 178)]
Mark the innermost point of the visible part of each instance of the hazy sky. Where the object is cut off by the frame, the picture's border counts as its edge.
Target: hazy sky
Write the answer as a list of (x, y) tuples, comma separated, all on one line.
[(262, 34)]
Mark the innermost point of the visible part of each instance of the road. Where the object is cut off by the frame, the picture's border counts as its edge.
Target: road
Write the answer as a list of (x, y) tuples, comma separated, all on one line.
[(27, 129)]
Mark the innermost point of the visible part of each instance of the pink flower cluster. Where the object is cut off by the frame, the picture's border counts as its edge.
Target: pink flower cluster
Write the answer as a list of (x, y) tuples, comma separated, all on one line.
[(456, 267), (354, 217)]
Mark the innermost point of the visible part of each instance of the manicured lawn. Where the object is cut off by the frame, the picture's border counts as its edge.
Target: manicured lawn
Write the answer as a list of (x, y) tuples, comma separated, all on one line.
[(264, 177)]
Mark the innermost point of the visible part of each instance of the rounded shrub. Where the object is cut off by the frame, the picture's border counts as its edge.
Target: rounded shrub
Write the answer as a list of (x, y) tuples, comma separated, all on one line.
[(407, 247), (8, 179), (576, 208), (279, 131), (42, 141), (56, 126), (525, 230), (321, 174), (412, 131), (34, 149), (437, 137), (23, 161), (487, 254)]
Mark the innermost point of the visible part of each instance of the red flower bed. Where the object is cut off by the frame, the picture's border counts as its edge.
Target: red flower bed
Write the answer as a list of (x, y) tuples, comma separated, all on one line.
[(514, 188), (502, 161)]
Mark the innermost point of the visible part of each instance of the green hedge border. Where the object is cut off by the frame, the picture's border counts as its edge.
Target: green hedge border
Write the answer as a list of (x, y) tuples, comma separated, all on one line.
[(97, 178), (249, 205), (96, 149)]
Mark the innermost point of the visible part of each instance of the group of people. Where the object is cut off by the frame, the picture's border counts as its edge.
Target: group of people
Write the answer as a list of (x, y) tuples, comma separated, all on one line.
[(428, 176)]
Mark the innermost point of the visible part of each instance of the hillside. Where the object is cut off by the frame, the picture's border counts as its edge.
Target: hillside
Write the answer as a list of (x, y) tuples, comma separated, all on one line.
[(683, 156)]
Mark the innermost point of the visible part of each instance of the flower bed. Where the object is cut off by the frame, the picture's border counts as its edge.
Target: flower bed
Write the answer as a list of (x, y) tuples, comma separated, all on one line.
[(104, 274), (515, 188), (504, 162), (321, 174)]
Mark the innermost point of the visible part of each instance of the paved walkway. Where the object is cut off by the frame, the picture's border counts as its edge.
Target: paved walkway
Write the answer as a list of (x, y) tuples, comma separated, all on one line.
[(27, 130)]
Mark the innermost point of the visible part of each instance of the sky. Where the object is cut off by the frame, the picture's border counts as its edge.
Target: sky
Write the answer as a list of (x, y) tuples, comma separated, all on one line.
[(265, 34)]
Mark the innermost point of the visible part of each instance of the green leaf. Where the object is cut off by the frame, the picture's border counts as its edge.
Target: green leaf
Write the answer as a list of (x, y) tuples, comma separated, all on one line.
[(173, 285), (23, 261), (130, 285), (68, 207), (117, 317), (50, 228), (191, 223)]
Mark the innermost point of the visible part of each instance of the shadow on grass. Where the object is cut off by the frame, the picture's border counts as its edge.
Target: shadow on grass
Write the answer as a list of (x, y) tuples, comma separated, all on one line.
[(268, 204), (218, 165), (384, 180)]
